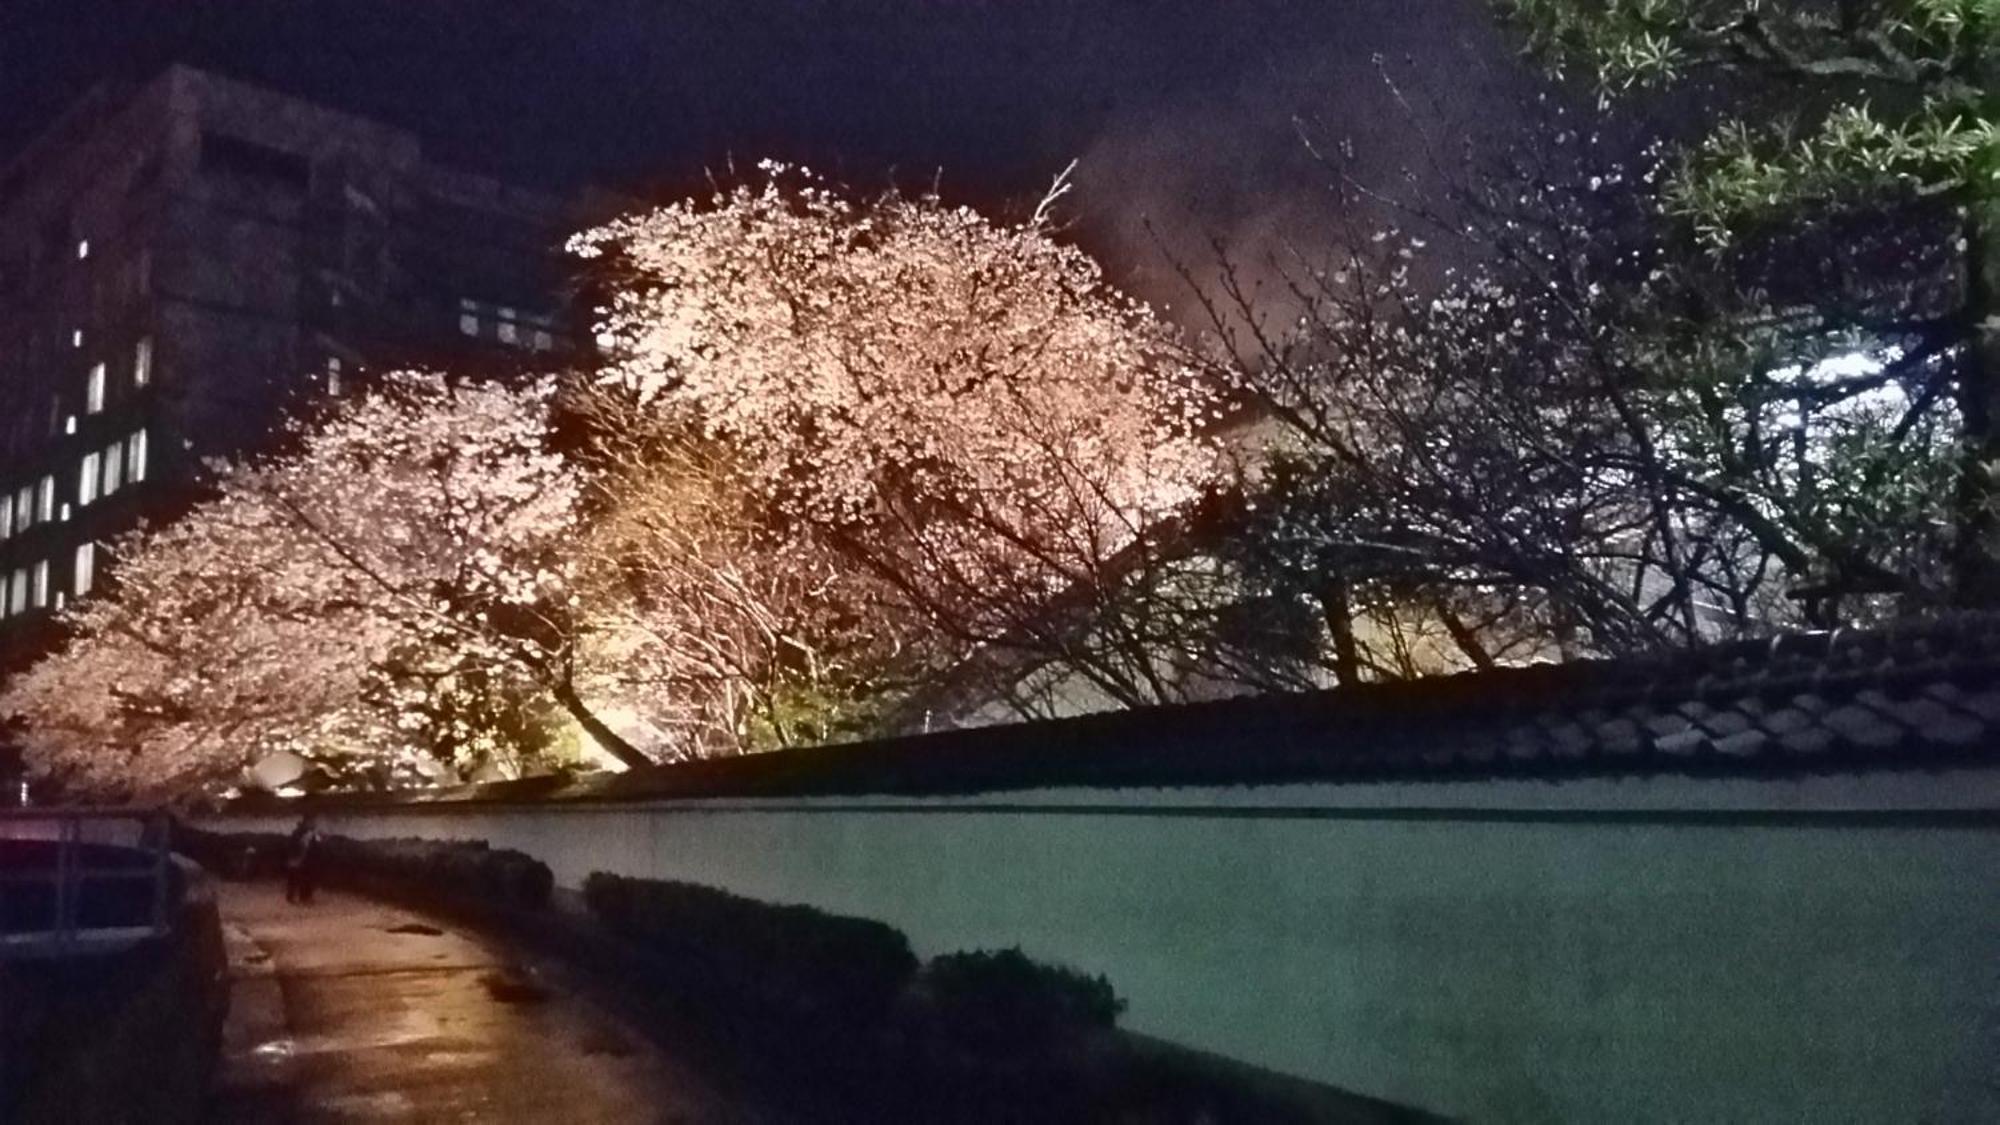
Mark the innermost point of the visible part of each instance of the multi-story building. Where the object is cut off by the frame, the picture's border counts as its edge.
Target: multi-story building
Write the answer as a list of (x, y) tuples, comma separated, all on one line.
[(182, 261)]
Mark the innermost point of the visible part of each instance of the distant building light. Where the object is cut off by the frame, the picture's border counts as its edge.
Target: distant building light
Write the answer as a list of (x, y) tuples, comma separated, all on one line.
[(142, 362), (93, 392), (40, 589), (85, 574), (45, 499), (543, 341), (135, 456), (69, 424), (114, 467), (468, 324), (508, 333), (82, 250), (88, 476), (76, 338)]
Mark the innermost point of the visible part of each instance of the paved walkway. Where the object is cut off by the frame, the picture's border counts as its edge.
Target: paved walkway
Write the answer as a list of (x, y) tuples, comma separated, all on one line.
[(353, 1011)]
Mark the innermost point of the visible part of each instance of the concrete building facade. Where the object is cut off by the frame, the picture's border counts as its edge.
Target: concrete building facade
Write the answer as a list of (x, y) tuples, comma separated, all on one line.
[(183, 261)]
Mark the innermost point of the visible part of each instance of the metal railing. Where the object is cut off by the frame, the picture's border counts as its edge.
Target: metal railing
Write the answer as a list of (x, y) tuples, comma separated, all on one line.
[(82, 881)]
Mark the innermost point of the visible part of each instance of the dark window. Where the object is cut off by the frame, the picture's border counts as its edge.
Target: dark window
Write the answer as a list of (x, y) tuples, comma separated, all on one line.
[(233, 156)]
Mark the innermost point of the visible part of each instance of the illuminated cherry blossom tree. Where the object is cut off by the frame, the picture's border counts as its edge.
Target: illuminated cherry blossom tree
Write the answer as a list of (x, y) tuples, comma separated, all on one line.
[(410, 543), (715, 628), (962, 410), (840, 450)]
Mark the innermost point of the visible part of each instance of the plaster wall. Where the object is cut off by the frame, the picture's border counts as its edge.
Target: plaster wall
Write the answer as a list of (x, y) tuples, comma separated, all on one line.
[(1674, 950)]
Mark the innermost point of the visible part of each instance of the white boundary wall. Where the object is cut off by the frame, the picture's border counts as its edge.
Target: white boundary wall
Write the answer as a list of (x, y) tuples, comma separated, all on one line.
[(1587, 951)]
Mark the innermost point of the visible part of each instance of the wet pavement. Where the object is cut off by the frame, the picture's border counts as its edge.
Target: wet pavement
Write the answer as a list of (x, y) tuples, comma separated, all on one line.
[(354, 1011)]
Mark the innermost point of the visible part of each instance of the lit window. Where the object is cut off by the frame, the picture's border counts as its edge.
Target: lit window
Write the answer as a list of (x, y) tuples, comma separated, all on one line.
[(82, 252), (86, 480), (93, 391), (468, 324), (543, 341), (142, 362), (333, 369), (76, 338), (508, 333), (64, 514), (86, 568), (17, 599), (114, 467), (69, 423), (6, 515), (45, 498), (40, 587), (135, 456), (24, 508)]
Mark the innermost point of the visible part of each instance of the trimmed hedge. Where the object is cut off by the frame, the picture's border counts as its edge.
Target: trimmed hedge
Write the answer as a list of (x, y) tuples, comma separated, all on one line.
[(233, 855), (791, 969), (836, 1014), (462, 872), (456, 868), (1004, 1004)]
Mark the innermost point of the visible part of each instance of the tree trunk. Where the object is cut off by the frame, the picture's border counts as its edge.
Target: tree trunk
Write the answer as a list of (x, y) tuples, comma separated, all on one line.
[(1467, 641), (604, 736), (1978, 500), (1336, 606)]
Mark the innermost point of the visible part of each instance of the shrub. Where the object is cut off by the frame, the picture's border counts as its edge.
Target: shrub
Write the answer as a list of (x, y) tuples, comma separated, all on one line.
[(463, 869), (1006, 1004), (467, 871), (233, 855), (790, 968)]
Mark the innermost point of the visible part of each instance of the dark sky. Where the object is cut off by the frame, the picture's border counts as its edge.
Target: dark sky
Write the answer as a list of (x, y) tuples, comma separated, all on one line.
[(1181, 110)]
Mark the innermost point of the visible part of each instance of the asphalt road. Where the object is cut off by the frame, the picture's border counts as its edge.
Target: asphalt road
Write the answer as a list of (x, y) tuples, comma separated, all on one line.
[(354, 1011)]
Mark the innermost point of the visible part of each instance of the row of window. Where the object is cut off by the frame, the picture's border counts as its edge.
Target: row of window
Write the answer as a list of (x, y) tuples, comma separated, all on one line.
[(35, 503), (96, 395), (102, 473), (510, 325), (95, 384), (96, 398), (28, 588)]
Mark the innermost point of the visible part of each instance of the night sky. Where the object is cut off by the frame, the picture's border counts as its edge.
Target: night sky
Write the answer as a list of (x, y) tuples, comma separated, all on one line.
[(1183, 112)]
